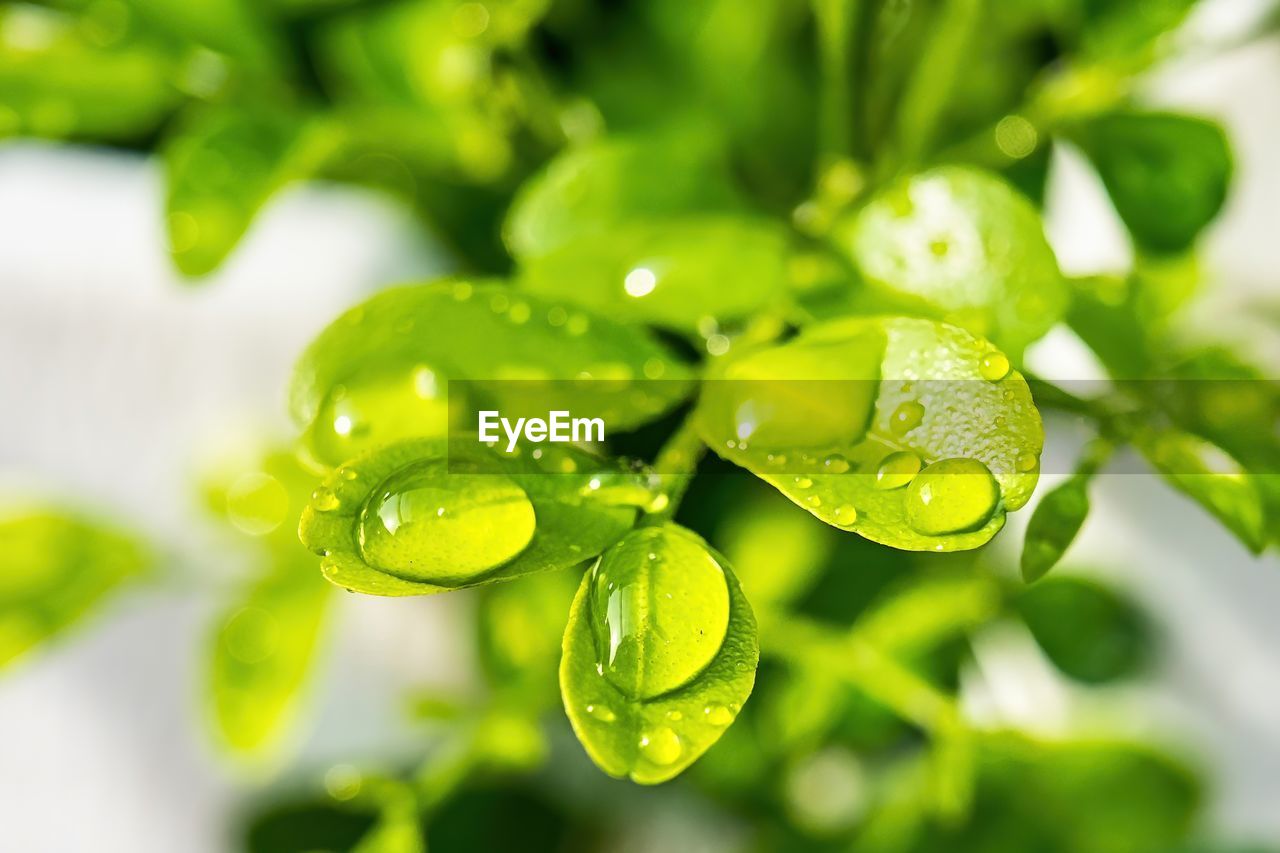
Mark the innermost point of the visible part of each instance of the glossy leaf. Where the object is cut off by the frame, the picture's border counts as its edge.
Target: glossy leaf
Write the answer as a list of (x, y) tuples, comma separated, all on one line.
[(1053, 527), (54, 569), (959, 245), (422, 517), (1090, 632), (672, 273), (659, 654), (380, 372), (1167, 174), (905, 431), (587, 192), (1212, 478), (263, 654), (57, 82), (222, 165)]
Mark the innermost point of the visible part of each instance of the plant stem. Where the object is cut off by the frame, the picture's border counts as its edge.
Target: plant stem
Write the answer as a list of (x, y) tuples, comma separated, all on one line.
[(836, 24), (930, 85), (676, 463)]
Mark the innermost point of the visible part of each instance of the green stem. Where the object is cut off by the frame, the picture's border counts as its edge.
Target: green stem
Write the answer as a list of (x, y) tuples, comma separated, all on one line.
[(930, 85), (836, 24), (676, 464)]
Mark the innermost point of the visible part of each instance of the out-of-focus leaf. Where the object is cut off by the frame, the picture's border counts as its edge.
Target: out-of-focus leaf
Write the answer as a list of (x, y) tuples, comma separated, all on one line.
[(776, 552), (54, 568), (263, 653), (422, 517), (905, 431), (959, 245), (1212, 478), (1126, 31), (1167, 174), (672, 273), (380, 372), (222, 164), (305, 827), (520, 625), (1053, 527), (397, 831), (660, 653), (236, 28), (1089, 631), (57, 79), (587, 192)]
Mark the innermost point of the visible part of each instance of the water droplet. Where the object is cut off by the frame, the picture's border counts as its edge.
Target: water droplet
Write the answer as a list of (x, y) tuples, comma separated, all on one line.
[(718, 715), (846, 515), (646, 646), (675, 716), (906, 417), (718, 344), (660, 746), (1027, 462), (425, 523), (640, 282), (897, 470), (603, 713), (324, 499), (994, 366), (348, 473), (813, 500), (951, 496), (802, 482), (836, 464)]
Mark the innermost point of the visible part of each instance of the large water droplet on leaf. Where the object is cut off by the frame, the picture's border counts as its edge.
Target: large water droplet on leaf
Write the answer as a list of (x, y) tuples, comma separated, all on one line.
[(951, 496), (660, 610), (661, 746), (425, 523)]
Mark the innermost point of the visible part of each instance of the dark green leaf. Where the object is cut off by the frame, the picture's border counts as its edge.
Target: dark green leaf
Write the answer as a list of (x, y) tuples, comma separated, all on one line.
[(54, 568), (1167, 174), (1053, 527), (1089, 631), (659, 654), (422, 517)]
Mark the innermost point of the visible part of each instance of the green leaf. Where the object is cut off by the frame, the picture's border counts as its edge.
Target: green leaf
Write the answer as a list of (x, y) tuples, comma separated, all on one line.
[(263, 652), (380, 372), (57, 82), (1053, 527), (777, 553), (1089, 631), (587, 192), (1167, 174), (54, 568), (520, 625), (424, 516), (233, 27), (960, 245), (221, 166), (672, 273), (659, 654), (1212, 478), (905, 431)]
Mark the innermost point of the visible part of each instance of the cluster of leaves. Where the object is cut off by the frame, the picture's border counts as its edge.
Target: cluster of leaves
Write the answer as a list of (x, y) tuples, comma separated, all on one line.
[(825, 265)]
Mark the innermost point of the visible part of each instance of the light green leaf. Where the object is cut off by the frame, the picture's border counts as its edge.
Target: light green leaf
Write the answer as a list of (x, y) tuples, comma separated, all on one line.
[(659, 654), (54, 568), (56, 82), (587, 192), (905, 431), (263, 652), (520, 625), (425, 516), (671, 273), (960, 245), (1212, 478), (380, 372), (221, 166), (776, 552), (1167, 174), (233, 27), (1053, 527)]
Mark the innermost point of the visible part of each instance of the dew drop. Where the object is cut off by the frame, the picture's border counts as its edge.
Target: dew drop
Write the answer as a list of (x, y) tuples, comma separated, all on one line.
[(897, 470), (813, 501), (603, 713), (836, 464), (660, 746), (951, 496), (718, 715), (906, 417), (846, 515), (324, 499), (994, 366), (802, 482), (675, 716), (425, 523), (1027, 462)]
